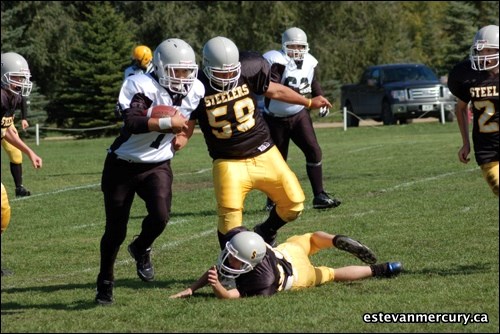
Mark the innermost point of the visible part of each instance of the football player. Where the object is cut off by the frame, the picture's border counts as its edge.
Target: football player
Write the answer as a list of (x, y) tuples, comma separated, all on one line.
[(16, 85), (238, 139), (142, 61), (259, 270), (475, 83), (138, 161), (15, 155), (294, 66)]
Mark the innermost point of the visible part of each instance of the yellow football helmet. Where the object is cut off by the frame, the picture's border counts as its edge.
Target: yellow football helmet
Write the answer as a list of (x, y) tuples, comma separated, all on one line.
[(142, 55)]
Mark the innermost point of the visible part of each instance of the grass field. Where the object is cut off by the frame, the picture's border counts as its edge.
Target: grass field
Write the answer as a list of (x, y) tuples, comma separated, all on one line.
[(404, 194)]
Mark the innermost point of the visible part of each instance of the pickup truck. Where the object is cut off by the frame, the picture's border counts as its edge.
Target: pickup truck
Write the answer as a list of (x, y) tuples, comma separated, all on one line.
[(396, 92)]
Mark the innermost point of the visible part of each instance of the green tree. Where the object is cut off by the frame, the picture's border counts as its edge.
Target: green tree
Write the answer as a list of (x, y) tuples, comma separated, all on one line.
[(460, 25), (488, 12), (93, 70), (77, 60)]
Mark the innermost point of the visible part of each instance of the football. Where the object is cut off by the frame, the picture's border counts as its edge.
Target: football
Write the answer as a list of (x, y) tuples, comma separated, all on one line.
[(160, 111)]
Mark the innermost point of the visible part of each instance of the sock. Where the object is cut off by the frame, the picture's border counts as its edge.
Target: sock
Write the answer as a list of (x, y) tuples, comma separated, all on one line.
[(315, 175), (273, 223), (17, 174), (222, 240), (379, 270), (334, 240)]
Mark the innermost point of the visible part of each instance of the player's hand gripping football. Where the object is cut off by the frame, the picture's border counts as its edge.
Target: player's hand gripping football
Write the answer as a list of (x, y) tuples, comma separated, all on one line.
[(179, 122)]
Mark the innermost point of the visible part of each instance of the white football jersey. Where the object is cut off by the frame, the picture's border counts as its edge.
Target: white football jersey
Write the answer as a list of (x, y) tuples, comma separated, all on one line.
[(134, 69), (152, 147), (292, 77)]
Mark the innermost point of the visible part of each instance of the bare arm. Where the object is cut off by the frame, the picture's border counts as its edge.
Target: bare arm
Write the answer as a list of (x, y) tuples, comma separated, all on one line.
[(220, 291), (279, 92), (461, 112), (209, 277), (200, 283)]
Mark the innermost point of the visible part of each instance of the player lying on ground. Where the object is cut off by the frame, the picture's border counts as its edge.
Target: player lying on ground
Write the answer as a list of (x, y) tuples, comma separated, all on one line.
[(259, 270)]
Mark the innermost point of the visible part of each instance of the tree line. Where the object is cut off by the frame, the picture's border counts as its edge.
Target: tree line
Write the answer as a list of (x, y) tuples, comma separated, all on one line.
[(77, 50)]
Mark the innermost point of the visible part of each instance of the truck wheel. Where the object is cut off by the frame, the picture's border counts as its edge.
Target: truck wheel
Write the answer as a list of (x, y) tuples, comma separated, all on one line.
[(352, 120), (387, 116), (405, 120)]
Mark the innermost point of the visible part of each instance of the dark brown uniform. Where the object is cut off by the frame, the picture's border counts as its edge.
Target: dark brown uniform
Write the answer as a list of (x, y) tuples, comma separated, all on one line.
[(245, 157), (481, 90)]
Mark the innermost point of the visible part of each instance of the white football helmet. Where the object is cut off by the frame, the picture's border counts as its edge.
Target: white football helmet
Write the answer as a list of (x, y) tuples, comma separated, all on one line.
[(16, 74), (485, 38), (295, 36), (247, 247), (221, 63), (171, 56)]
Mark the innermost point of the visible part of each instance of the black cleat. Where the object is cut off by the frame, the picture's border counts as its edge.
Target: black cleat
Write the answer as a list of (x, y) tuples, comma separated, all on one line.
[(356, 248), (104, 292), (387, 270), (269, 239), (22, 192), (393, 269), (145, 269), (324, 201)]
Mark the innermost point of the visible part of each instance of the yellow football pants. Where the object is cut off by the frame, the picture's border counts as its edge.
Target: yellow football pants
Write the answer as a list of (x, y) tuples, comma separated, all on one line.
[(269, 173), (5, 209), (297, 250), (15, 155), (490, 173)]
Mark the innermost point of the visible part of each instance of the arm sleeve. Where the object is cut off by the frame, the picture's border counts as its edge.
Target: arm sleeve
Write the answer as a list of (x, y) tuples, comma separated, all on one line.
[(316, 89), (134, 121), (25, 107)]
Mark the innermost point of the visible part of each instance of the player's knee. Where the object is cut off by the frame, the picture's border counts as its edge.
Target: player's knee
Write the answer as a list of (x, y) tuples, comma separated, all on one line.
[(16, 158), (290, 213)]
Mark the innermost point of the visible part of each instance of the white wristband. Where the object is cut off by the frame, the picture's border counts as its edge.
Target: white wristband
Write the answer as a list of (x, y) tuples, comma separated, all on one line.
[(165, 123)]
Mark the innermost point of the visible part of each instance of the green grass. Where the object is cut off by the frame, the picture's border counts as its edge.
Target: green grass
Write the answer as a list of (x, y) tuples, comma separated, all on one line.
[(404, 194)]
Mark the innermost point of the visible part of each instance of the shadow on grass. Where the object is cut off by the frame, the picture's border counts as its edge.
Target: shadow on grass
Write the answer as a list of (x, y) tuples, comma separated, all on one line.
[(12, 308), (461, 269)]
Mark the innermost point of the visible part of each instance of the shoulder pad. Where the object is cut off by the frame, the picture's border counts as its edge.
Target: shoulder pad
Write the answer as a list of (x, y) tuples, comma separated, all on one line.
[(309, 58), (275, 56)]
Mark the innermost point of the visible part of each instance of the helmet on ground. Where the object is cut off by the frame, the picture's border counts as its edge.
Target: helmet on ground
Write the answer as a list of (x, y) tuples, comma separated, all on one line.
[(295, 36), (247, 247), (16, 74), (221, 63), (142, 55), (485, 38), (175, 65)]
